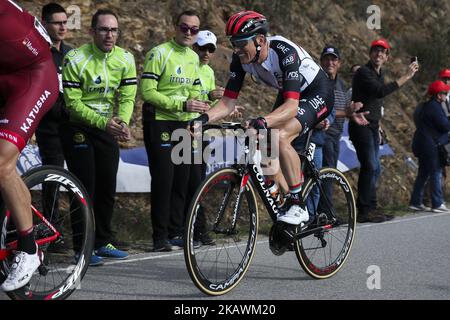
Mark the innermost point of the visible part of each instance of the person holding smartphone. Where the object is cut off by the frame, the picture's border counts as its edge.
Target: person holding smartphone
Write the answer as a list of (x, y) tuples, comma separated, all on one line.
[(370, 89)]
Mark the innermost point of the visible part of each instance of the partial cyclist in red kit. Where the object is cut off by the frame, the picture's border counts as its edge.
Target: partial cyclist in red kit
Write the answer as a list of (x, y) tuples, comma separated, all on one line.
[(28, 89)]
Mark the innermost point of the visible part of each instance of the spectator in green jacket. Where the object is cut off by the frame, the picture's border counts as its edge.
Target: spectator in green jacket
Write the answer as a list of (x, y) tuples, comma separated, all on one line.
[(95, 76), (170, 87)]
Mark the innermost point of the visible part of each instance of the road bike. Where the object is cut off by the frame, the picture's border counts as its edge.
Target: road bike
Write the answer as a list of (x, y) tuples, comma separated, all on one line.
[(64, 231), (225, 208)]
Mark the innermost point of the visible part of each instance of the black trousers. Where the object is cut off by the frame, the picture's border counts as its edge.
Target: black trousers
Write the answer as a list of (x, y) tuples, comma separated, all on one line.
[(51, 152), (172, 185), (93, 156), (50, 148)]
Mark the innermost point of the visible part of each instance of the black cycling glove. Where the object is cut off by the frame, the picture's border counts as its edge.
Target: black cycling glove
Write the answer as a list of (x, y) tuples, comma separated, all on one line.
[(203, 118), (258, 123)]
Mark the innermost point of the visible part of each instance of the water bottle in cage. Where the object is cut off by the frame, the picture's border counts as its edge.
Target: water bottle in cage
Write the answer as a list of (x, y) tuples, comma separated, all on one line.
[(275, 193)]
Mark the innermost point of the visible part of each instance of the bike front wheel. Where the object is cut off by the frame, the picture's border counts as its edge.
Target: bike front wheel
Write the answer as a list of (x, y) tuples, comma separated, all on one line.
[(323, 253), (221, 232), (64, 230)]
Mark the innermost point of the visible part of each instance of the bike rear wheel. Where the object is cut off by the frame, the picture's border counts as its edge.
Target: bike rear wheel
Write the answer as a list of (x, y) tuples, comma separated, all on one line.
[(229, 216), (63, 201), (322, 254)]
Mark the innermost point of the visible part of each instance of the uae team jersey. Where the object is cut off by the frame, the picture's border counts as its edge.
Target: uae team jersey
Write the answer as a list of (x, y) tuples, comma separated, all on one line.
[(288, 68)]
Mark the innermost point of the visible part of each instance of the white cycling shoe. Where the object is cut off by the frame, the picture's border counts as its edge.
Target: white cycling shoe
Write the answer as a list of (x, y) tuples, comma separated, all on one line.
[(22, 269), (296, 215)]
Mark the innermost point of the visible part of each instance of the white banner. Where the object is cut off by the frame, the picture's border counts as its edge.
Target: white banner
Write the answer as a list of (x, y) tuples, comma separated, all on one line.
[(134, 176)]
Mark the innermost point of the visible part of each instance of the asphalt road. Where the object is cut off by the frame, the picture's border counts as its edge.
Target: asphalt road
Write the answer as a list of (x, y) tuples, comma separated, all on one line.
[(410, 254)]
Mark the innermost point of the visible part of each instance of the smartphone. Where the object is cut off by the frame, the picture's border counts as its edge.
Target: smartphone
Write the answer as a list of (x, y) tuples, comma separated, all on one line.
[(414, 59)]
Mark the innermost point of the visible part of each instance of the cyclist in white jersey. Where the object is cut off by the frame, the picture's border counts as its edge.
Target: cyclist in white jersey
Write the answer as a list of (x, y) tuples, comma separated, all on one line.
[(305, 95)]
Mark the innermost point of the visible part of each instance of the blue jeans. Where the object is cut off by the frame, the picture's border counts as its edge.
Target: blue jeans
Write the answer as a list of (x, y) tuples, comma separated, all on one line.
[(367, 145), (331, 151), (429, 168)]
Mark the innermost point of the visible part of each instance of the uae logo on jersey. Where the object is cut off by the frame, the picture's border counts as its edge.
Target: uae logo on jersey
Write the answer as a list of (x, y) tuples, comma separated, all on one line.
[(98, 80), (178, 70)]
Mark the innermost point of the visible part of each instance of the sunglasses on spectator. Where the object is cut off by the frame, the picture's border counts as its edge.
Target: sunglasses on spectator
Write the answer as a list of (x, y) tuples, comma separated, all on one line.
[(104, 31), (61, 23), (185, 28), (209, 48), (240, 43)]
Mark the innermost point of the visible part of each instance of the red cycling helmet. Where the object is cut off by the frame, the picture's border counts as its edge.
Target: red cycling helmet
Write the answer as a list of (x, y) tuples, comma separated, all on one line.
[(445, 73), (245, 24)]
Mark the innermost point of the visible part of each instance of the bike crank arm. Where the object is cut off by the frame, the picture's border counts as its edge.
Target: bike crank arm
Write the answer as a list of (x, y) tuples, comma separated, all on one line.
[(308, 232)]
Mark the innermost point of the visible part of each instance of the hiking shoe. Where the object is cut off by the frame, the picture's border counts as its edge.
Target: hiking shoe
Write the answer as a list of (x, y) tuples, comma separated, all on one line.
[(441, 208), (371, 217), (205, 240), (111, 252), (22, 269), (379, 212), (198, 244), (295, 215), (94, 261), (177, 243), (162, 246), (420, 207)]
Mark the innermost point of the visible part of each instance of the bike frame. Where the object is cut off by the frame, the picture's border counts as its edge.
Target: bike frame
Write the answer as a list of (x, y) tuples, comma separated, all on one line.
[(253, 172), (12, 246)]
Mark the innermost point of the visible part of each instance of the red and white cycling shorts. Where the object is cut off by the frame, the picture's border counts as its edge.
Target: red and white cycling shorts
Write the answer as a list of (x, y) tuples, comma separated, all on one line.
[(25, 96)]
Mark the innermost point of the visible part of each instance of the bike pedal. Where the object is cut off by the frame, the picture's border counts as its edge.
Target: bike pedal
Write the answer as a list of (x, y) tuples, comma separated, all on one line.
[(43, 270)]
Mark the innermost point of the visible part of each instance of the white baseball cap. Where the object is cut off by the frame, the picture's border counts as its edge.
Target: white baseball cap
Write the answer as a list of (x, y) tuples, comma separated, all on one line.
[(205, 37)]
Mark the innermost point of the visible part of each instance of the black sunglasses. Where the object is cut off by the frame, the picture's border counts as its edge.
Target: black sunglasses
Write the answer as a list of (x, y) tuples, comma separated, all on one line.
[(185, 28), (241, 43), (209, 48)]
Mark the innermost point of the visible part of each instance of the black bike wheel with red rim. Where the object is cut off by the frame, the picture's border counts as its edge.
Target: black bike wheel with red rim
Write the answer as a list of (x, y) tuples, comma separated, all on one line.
[(63, 201)]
